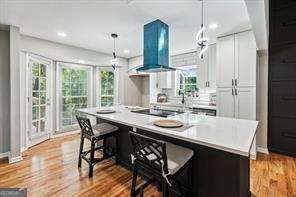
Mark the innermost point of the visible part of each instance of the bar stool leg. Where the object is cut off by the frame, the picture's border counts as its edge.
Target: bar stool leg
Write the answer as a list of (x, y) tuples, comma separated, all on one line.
[(80, 150), (116, 149), (134, 180), (92, 154), (165, 189)]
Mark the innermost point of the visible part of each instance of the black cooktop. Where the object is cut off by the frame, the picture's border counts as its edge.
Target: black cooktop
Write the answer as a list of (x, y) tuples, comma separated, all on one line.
[(157, 112)]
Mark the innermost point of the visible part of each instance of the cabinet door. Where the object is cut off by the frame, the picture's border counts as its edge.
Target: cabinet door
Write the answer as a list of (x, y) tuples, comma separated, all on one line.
[(245, 59), (202, 72), (212, 66), (225, 61), (225, 102), (245, 103), (164, 80)]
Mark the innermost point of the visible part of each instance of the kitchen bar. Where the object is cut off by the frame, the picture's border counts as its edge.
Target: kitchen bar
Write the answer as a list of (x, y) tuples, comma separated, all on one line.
[(221, 146)]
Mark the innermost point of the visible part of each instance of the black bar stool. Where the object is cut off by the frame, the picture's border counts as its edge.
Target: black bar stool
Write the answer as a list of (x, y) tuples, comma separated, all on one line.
[(163, 162), (95, 134)]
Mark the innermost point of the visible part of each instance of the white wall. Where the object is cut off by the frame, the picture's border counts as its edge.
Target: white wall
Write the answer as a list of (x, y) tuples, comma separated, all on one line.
[(4, 92), (129, 90), (262, 100)]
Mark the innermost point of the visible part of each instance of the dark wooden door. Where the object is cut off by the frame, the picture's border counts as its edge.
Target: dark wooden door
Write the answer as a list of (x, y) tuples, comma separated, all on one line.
[(282, 77)]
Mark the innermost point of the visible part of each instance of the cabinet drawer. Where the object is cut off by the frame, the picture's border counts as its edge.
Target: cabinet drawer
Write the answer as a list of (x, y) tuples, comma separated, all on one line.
[(283, 99), (283, 62), (283, 135), (284, 25), (277, 4)]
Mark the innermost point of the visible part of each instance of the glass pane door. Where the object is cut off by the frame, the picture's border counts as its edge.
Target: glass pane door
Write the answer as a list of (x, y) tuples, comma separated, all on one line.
[(38, 98), (74, 94)]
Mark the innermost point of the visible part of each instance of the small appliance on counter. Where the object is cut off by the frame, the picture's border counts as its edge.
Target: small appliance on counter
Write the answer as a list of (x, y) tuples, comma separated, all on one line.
[(162, 98)]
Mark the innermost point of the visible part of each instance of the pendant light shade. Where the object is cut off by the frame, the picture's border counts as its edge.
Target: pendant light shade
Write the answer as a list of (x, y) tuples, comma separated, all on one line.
[(114, 61), (201, 41)]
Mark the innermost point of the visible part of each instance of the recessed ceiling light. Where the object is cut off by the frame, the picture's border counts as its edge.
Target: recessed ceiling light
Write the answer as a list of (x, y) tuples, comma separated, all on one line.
[(62, 34), (213, 26), (81, 61), (126, 51)]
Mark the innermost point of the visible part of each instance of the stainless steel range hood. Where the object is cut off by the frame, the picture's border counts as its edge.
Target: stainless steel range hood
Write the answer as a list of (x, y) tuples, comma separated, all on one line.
[(156, 47)]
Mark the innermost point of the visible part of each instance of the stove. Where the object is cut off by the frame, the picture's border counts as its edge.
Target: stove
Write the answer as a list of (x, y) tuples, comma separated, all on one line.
[(157, 112)]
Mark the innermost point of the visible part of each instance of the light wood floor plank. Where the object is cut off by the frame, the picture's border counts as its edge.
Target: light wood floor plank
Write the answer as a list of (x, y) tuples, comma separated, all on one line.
[(50, 169)]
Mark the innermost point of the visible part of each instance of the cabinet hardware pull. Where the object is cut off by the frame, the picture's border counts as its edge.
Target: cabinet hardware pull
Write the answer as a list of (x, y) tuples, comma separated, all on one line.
[(232, 91), (235, 82), (232, 82), (235, 91), (208, 84)]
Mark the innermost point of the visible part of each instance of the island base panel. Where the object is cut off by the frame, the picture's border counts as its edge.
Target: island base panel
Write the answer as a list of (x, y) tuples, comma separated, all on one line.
[(214, 172)]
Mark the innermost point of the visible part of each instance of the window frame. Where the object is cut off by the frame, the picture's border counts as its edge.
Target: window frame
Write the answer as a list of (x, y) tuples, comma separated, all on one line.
[(98, 84), (60, 66)]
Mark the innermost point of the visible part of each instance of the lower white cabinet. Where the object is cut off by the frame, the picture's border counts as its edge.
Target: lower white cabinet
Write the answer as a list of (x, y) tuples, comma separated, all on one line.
[(239, 102)]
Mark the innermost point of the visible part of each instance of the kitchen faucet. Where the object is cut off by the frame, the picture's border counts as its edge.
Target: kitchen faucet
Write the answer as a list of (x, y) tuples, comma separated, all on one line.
[(183, 96)]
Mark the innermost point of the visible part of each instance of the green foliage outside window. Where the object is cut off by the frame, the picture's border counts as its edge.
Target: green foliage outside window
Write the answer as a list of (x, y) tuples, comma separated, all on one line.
[(107, 88)]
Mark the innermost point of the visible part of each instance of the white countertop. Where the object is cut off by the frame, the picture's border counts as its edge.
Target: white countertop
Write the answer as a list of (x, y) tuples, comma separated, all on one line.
[(227, 134), (170, 104)]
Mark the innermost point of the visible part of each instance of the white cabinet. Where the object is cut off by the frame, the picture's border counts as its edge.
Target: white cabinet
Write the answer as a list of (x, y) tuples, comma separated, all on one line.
[(225, 102), (236, 103), (164, 80), (206, 69), (225, 61), (245, 103), (245, 59), (236, 60)]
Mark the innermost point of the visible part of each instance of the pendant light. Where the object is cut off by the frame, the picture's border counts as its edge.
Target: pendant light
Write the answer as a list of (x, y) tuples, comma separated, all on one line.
[(201, 41), (114, 61)]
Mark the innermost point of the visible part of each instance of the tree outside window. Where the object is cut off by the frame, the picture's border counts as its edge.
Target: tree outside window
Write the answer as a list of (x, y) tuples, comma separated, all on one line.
[(107, 88), (188, 80)]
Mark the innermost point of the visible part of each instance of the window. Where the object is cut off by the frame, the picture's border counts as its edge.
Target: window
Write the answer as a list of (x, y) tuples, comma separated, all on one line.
[(107, 88), (74, 86), (188, 79)]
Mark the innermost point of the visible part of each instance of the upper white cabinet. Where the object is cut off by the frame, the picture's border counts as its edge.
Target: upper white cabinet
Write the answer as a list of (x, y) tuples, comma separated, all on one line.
[(245, 59), (236, 60), (164, 80), (206, 69), (225, 61)]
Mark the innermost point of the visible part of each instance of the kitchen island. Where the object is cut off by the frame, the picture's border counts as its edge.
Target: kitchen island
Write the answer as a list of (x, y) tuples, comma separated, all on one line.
[(221, 147)]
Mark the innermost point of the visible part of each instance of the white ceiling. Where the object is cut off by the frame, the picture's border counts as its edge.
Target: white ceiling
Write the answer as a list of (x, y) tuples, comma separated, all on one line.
[(89, 23)]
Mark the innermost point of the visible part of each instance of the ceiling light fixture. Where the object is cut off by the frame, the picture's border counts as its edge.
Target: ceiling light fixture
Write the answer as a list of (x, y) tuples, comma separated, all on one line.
[(62, 34), (114, 61), (126, 51), (201, 41), (213, 26)]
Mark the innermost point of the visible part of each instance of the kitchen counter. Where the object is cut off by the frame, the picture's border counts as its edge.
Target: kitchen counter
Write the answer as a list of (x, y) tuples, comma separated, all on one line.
[(221, 161), (227, 134)]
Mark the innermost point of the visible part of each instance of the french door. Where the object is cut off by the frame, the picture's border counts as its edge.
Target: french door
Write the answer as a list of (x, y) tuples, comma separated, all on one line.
[(38, 99)]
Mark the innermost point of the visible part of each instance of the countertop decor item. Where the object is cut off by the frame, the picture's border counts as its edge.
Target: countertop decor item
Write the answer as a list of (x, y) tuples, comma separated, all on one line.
[(168, 123), (105, 111)]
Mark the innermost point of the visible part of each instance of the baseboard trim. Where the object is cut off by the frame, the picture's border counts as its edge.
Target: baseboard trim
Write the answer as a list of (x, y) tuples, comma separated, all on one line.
[(3, 155), (24, 149), (15, 159), (66, 133), (262, 150)]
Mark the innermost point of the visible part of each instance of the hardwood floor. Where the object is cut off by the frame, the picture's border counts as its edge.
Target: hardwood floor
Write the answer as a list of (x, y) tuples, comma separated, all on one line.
[(50, 169)]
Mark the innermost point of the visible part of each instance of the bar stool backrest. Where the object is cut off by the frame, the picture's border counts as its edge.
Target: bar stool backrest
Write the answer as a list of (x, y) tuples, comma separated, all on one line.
[(85, 125), (150, 151)]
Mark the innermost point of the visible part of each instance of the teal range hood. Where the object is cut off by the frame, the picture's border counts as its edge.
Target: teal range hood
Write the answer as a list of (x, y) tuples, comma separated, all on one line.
[(156, 47)]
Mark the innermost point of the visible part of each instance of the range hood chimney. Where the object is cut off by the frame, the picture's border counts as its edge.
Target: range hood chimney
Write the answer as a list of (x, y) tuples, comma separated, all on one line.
[(156, 47)]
